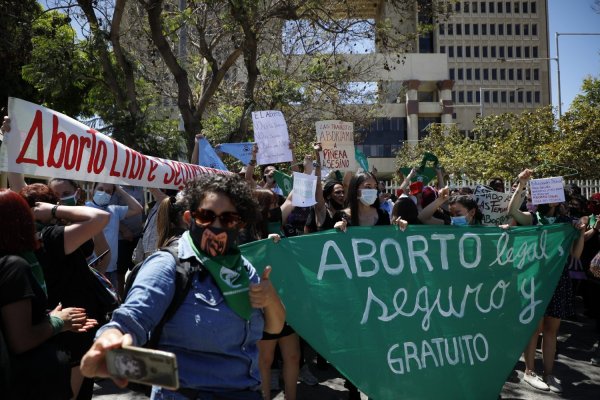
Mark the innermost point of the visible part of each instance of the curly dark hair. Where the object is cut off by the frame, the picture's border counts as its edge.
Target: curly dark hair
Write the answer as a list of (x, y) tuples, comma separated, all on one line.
[(38, 192), (231, 186), (469, 202)]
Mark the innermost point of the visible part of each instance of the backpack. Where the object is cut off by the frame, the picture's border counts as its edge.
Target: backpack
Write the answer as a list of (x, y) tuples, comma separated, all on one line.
[(184, 271)]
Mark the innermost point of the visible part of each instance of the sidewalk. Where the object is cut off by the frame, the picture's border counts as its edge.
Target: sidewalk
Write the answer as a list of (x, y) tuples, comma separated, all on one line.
[(580, 379)]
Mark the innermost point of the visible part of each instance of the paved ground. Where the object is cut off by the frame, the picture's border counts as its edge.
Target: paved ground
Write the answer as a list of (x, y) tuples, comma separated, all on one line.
[(578, 341)]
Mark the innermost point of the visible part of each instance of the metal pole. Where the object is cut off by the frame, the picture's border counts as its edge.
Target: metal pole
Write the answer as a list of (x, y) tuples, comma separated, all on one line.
[(558, 76), (480, 102)]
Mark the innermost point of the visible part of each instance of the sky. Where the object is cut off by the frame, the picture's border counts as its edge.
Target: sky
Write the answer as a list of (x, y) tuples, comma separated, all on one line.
[(579, 56)]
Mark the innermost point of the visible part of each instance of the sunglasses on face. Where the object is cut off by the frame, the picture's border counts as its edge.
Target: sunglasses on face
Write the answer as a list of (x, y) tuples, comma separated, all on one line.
[(207, 217)]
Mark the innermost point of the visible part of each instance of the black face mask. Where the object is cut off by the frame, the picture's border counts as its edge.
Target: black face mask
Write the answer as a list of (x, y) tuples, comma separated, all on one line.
[(275, 215), (214, 241)]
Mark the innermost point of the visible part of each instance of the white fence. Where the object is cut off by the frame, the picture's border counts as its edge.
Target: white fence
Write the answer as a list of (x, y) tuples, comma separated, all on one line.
[(587, 186)]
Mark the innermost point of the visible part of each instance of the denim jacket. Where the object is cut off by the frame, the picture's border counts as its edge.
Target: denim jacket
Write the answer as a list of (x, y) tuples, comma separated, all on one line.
[(216, 349)]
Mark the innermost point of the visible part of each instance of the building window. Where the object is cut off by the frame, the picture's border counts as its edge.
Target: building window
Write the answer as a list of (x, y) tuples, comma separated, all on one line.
[(533, 7), (484, 51), (486, 74), (527, 74), (525, 8), (451, 74), (486, 96), (495, 96), (534, 51), (442, 29), (461, 97), (502, 74), (451, 51), (476, 51), (511, 97), (459, 29), (500, 29), (453, 96), (527, 55), (470, 96), (529, 94), (519, 97), (477, 74), (442, 49), (536, 74), (482, 6), (499, 7), (511, 74), (484, 29), (492, 29), (516, 8), (493, 51), (503, 96), (491, 6), (501, 52), (467, 29), (459, 52), (478, 96), (533, 29), (468, 51), (450, 29), (518, 51), (474, 6), (460, 74), (494, 74), (526, 29), (509, 29), (466, 7), (507, 7), (536, 96), (475, 29), (517, 29), (457, 6), (469, 74), (519, 74), (509, 49)]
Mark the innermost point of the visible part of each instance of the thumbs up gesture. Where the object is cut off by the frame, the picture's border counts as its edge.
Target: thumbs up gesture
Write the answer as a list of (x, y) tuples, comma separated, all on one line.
[(263, 294)]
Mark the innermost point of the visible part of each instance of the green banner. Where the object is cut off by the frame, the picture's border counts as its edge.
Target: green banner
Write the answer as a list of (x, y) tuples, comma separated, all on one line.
[(284, 181), (361, 159), (431, 312)]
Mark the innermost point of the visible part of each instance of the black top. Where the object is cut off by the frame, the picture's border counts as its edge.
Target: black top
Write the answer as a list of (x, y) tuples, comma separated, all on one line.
[(383, 218), (18, 283)]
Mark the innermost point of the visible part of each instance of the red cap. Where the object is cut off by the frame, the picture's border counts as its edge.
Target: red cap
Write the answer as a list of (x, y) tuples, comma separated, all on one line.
[(415, 188)]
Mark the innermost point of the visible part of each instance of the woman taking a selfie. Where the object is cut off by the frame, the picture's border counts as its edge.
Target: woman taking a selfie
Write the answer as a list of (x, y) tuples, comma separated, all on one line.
[(214, 332)]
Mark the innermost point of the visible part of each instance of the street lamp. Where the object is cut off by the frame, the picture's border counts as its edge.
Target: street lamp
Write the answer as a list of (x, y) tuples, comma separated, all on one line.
[(482, 89)]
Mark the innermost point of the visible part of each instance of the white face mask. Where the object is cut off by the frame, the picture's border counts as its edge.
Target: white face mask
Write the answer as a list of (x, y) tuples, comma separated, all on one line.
[(102, 198), (368, 196)]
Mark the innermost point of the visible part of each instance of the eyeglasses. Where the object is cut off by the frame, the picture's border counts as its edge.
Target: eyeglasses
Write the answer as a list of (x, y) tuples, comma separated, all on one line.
[(207, 217)]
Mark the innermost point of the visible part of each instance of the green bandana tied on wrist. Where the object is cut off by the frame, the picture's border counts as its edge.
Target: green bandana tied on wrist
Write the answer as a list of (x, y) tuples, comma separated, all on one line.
[(231, 277)]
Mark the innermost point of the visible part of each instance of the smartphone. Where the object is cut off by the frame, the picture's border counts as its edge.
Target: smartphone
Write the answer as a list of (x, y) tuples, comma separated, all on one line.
[(96, 259), (145, 366)]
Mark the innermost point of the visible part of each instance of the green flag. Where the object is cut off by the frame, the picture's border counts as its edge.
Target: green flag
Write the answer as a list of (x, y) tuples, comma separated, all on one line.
[(285, 182), (432, 312), (361, 159)]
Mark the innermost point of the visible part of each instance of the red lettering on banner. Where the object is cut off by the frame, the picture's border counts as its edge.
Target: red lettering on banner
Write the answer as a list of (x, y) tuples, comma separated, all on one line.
[(93, 152), (170, 178), (71, 152), (136, 165), (178, 180), (57, 136), (36, 128), (113, 172), (100, 158), (153, 166), (127, 157)]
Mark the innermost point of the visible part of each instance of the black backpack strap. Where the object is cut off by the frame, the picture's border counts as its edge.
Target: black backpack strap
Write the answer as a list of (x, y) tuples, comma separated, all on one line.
[(184, 271)]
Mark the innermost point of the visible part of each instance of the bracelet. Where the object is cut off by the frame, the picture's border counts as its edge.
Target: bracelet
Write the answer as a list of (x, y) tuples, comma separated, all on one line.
[(53, 212), (57, 324)]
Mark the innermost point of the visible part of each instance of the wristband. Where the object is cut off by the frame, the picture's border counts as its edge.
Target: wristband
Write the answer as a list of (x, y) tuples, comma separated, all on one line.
[(53, 212), (57, 324)]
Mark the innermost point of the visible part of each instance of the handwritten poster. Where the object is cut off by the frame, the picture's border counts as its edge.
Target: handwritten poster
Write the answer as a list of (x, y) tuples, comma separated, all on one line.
[(46, 143), (494, 205), (337, 141), (547, 190), (305, 187), (272, 137)]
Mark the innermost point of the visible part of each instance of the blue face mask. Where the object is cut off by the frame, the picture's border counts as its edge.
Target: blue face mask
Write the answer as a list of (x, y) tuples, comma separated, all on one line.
[(102, 198), (459, 221)]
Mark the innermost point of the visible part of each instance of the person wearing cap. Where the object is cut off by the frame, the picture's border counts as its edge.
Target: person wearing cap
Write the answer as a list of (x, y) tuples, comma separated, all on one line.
[(415, 190)]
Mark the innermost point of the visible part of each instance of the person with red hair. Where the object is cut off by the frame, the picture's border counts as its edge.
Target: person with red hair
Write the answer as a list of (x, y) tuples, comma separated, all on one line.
[(35, 368)]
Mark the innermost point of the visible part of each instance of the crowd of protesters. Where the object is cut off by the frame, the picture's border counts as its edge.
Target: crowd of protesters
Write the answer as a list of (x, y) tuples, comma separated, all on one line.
[(57, 327)]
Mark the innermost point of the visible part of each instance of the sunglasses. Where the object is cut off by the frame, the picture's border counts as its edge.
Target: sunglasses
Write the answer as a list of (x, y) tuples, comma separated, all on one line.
[(207, 217)]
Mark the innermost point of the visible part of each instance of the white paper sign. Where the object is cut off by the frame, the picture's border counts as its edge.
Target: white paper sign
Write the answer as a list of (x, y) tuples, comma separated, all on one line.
[(271, 136), (45, 143), (494, 205), (337, 141), (305, 187), (547, 190)]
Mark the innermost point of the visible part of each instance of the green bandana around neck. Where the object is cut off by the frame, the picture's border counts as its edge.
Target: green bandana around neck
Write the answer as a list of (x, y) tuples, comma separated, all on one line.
[(231, 277), (36, 269)]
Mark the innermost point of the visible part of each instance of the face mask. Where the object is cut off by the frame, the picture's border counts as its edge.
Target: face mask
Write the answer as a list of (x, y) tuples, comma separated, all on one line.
[(459, 221), (551, 220), (214, 241), (69, 200), (368, 196), (102, 198)]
